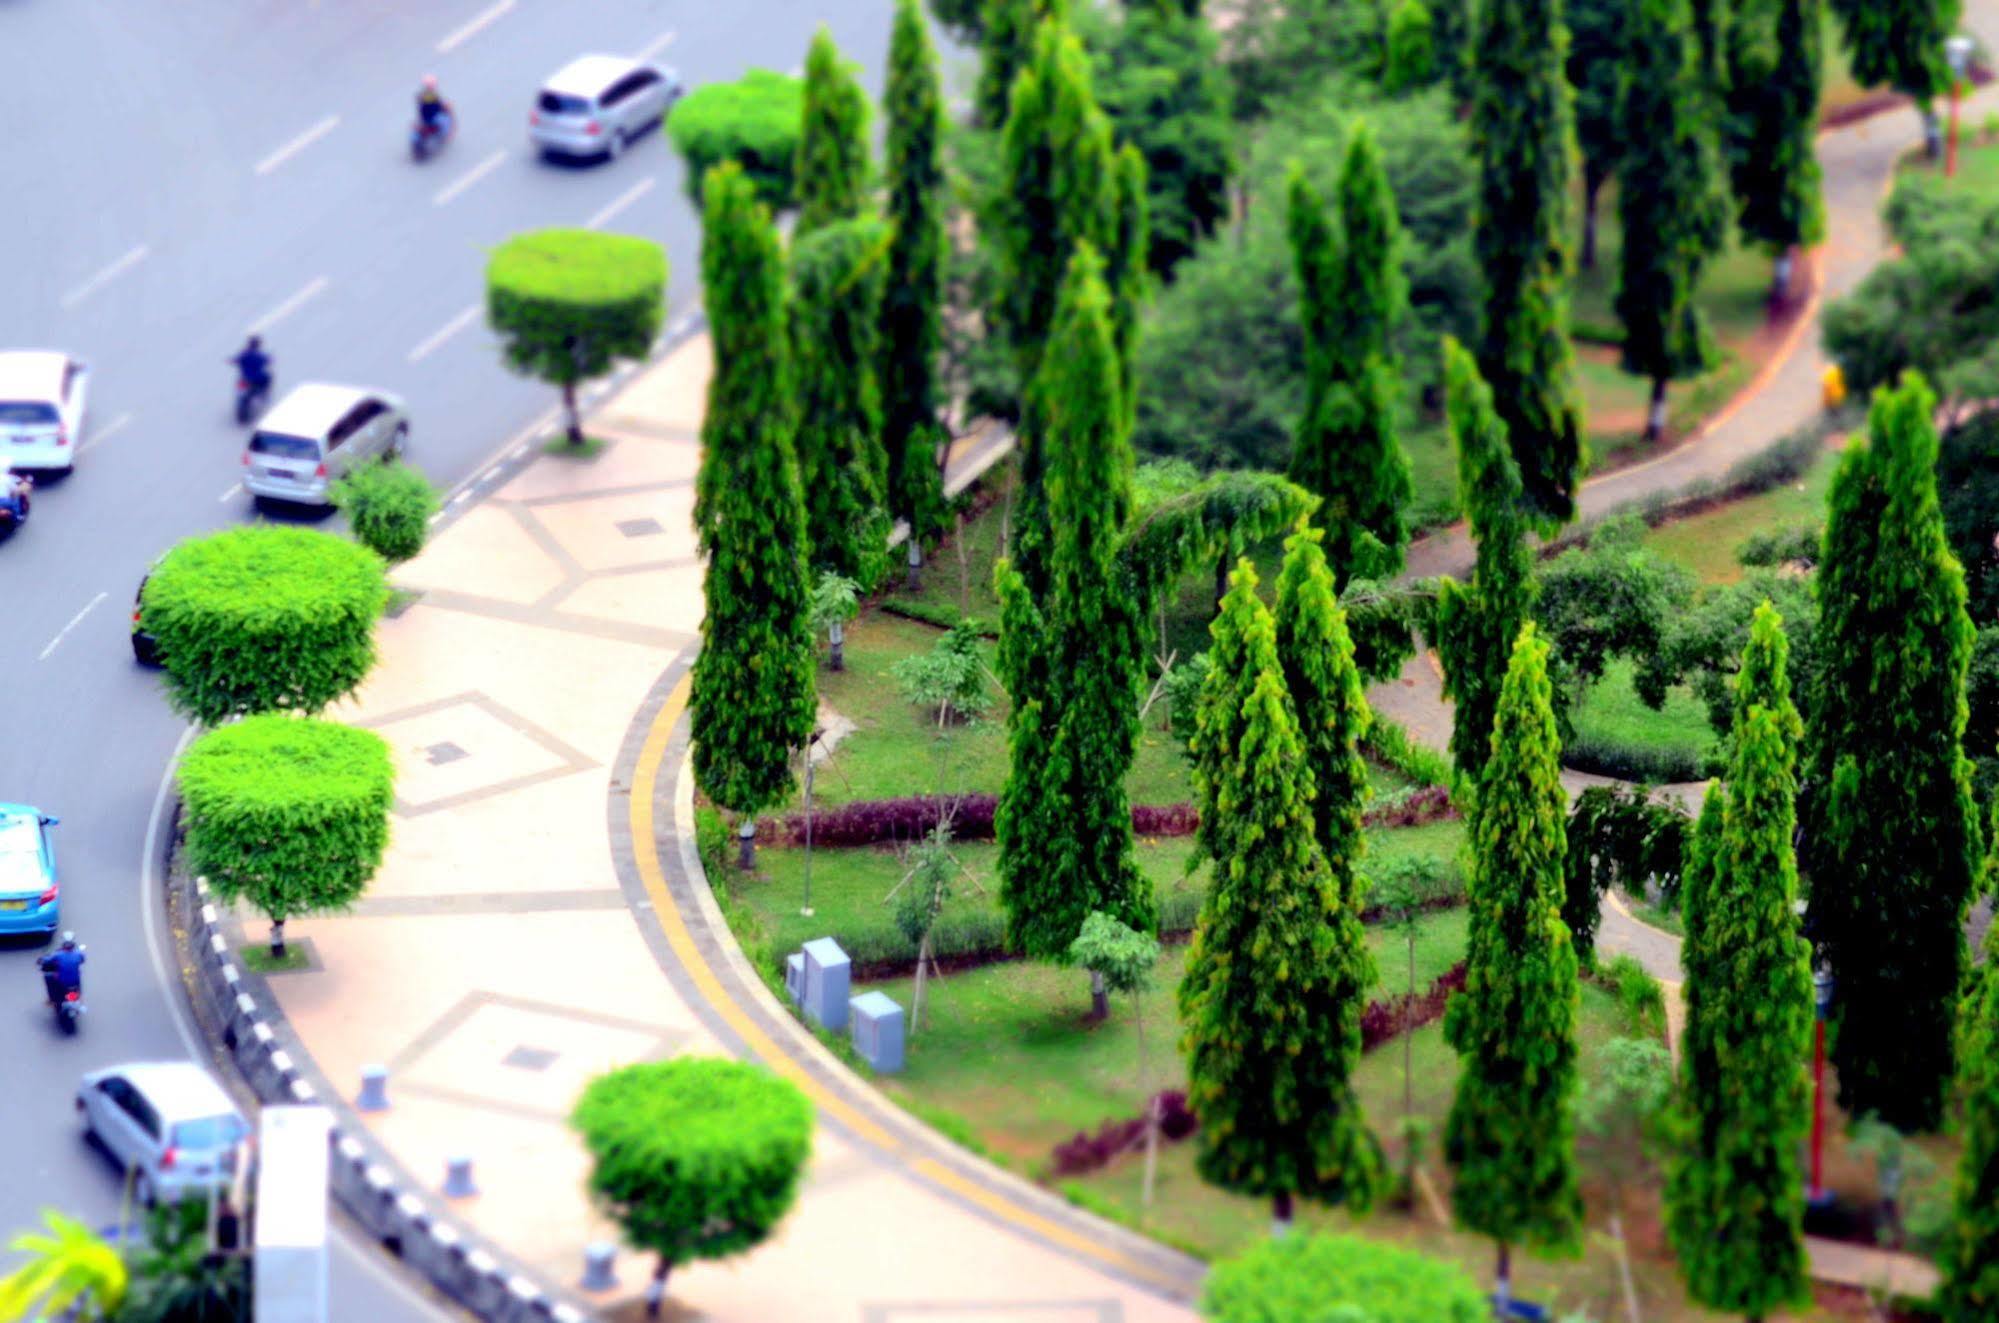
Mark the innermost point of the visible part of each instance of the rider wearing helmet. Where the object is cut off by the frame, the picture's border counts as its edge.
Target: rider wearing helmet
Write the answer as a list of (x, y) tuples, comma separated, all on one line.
[(254, 364), (62, 969), (431, 110)]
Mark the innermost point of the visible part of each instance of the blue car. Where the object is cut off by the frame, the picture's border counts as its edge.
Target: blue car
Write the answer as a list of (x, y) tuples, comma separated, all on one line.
[(28, 901)]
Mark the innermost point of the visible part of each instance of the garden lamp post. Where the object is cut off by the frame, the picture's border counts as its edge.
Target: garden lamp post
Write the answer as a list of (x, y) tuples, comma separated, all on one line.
[(1815, 1195), (1957, 50)]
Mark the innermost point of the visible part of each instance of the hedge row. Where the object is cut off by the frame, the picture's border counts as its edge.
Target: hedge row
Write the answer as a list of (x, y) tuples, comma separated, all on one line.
[(1644, 763)]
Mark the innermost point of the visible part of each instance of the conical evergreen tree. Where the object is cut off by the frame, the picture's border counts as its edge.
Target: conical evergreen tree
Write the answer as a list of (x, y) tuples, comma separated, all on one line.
[(1279, 967), (913, 300), (833, 146), (1062, 193), (1970, 1291), (1129, 273), (1775, 161), (1072, 658), (1005, 48), (1317, 657), (1524, 136), (1239, 637), (1668, 198), (1476, 624), (837, 276), (752, 701), (1511, 1134), (1351, 297), (1700, 970), (1892, 838), (1734, 1192)]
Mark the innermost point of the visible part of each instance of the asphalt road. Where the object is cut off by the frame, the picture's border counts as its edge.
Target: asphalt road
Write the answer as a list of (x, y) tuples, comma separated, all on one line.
[(174, 175)]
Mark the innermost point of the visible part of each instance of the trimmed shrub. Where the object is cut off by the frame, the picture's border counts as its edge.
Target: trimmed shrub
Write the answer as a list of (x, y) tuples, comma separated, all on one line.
[(290, 814), (1085, 1153), (695, 1158), (567, 304), (389, 506), (263, 619), (1794, 544), (1649, 764), (1321, 1278), (1639, 996), (1388, 743), (1406, 1012), (756, 121)]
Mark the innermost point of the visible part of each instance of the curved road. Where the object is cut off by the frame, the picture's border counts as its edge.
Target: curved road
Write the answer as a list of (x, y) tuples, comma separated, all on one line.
[(177, 174)]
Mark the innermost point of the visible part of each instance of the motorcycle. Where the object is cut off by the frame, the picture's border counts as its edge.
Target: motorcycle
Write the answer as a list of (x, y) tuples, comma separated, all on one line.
[(250, 399), (66, 1002), (14, 490), (428, 139)]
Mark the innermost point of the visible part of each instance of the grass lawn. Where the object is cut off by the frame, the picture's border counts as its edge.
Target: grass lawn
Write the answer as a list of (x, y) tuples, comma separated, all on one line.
[(1611, 714), (1977, 160), (1706, 543), (850, 887)]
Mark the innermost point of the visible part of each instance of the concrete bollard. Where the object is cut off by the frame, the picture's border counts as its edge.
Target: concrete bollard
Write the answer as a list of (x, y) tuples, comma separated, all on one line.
[(458, 1182), (374, 1089), (597, 1271)]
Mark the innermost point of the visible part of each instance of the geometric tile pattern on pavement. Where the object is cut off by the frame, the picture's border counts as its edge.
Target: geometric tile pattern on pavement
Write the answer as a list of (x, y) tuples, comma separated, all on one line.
[(453, 751)]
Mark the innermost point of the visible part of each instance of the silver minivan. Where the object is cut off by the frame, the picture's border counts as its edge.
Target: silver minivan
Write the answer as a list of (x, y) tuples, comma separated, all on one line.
[(168, 1123), (317, 433), (596, 105)]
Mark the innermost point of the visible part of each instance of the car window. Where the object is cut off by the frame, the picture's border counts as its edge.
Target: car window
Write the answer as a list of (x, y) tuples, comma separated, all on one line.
[(644, 79), (209, 1132), (621, 89), (556, 103), (27, 413), (136, 1106), (278, 445)]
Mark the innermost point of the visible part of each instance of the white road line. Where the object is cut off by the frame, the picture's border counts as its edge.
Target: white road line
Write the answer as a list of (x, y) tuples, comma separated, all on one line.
[(106, 432), (655, 46), (106, 276), (313, 290), (436, 340), (298, 144), (230, 495), (469, 178), (479, 22), (619, 203), (74, 621)]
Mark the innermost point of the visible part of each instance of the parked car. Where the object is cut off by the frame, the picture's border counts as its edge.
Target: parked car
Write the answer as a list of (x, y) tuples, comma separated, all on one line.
[(15, 491), (317, 433), (42, 395), (30, 900), (596, 105), (168, 1122)]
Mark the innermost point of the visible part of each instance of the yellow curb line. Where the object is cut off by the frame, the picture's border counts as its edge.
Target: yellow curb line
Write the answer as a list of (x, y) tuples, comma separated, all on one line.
[(645, 780)]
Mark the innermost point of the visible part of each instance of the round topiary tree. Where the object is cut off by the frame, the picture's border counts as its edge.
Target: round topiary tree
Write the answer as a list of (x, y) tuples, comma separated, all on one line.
[(756, 121), (567, 304), (1339, 1279), (288, 813), (696, 1158), (263, 619), (389, 505)]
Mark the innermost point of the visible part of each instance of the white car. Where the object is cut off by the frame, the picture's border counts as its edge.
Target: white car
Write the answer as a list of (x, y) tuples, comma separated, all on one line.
[(315, 435), (596, 105), (41, 408), (168, 1122)]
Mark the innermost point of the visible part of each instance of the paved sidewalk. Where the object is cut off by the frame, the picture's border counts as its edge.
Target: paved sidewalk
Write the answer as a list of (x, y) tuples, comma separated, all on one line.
[(537, 922)]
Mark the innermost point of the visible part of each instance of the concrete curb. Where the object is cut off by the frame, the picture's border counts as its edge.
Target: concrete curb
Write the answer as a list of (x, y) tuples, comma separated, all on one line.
[(370, 1184)]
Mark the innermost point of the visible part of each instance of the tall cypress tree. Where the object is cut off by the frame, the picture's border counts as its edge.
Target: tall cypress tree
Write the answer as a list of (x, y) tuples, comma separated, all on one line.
[(1064, 822), (1893, 840), (1524, 135), (1734, 1192), (912, 306), (1667, 199), (1279, 967), (1511, 1134), (1317, 656), (1128, 270), (1970, 1263), (1005, 48), (833, 146), (1900, 43), (1238, 637), (1352, 295), (1477, 624), (752, 701), (1062, 192), (837, 276), (1596, 58), (1775, 161)]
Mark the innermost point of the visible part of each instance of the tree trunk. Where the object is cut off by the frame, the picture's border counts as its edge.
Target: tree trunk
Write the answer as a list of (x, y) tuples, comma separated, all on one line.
[(1655, 417), (913, 581), (1932, 133), (575, 425), (1100, 998), (1780, 279), (916, 999), (1502, 1284), (1592, 185), (1221, 582), (656, 1288), (746, 845), (1280, 1214), (836, 636), (277, 939)]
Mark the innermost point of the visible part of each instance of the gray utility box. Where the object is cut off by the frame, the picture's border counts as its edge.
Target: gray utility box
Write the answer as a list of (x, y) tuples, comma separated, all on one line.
[(794, 978), (878, 1030), (828, 975)]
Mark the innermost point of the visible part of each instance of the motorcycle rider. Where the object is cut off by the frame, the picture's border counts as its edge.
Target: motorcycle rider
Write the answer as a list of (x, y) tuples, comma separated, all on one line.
[(432, 114), (254, 365), (62, 969)]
